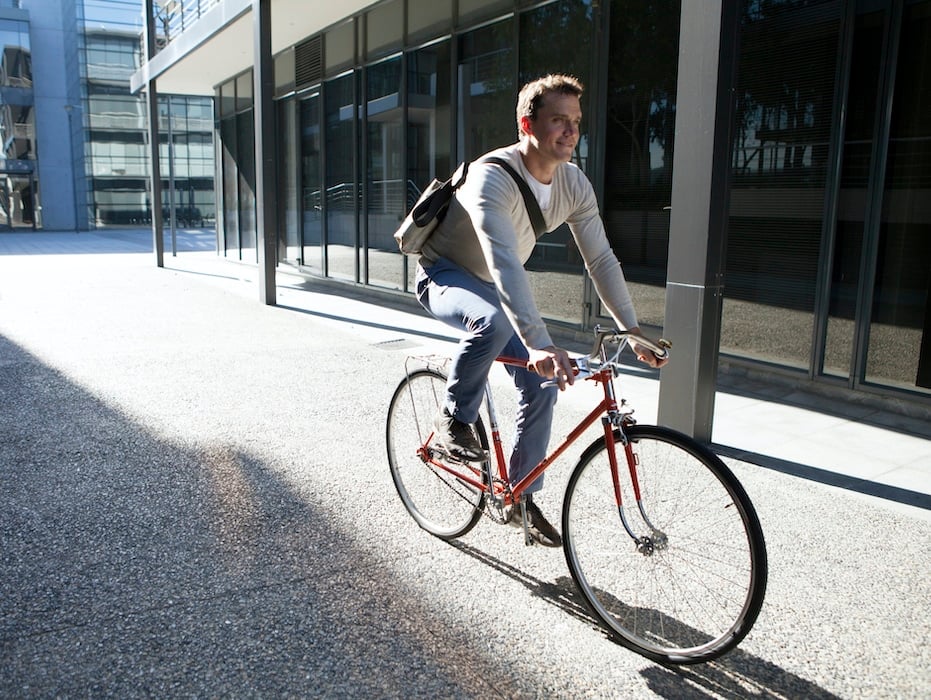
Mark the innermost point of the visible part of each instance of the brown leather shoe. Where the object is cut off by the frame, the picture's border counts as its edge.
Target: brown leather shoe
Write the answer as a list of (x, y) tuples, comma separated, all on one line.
[(457, 438), (538, 526)]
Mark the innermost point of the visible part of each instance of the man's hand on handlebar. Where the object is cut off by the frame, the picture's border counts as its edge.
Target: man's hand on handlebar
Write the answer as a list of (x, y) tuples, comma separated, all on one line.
[(553, 363), (644, 354)]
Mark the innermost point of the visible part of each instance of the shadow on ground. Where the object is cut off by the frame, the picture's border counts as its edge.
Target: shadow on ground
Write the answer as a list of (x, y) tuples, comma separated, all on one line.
[(736, 675), (135, 567)]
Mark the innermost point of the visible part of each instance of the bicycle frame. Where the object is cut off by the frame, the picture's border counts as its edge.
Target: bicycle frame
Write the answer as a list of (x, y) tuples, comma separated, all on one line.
[(607, 409), (496, 485)]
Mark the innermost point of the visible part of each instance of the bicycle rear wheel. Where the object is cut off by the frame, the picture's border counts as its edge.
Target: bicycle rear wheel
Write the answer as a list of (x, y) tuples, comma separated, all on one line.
[(428, 481), (692, 588)]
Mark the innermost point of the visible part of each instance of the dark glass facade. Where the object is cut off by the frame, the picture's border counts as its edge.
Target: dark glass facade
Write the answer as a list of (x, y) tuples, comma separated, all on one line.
[(831, 154), (828, 238)]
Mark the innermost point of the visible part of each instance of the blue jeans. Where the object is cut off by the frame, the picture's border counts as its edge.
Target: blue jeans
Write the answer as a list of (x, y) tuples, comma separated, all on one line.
[(459, 299)]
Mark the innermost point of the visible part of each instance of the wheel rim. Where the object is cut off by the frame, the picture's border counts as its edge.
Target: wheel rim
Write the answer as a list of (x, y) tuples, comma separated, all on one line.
[(440, 503), (693, 597)]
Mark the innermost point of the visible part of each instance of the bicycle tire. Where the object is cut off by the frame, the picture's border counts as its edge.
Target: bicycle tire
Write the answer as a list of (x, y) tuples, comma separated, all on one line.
[(440, 503), (696, 595)]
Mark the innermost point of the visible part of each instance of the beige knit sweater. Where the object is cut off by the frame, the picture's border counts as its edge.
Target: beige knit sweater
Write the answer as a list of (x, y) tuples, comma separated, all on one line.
[(488, 232)]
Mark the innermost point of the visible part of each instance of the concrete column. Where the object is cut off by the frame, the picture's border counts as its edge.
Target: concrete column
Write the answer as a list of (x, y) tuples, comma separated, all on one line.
[(709, 30), (264, 114), (158, 235)]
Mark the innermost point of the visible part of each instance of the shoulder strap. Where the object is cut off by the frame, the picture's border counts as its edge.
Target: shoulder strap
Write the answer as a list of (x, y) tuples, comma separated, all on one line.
[(533, 207)]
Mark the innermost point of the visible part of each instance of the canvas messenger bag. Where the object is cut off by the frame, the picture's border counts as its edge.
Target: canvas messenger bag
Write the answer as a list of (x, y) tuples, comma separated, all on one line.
[(433, 203)]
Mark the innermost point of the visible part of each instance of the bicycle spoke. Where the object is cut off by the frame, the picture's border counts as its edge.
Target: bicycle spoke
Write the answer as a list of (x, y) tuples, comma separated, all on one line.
[(694, 595), (431, 485)]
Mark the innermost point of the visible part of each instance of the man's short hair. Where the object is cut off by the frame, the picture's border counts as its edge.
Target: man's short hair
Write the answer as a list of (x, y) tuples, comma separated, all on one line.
[(531, 95)]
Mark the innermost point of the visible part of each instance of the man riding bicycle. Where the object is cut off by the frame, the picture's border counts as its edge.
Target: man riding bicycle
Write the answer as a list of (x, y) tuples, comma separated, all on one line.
[(471, 275)]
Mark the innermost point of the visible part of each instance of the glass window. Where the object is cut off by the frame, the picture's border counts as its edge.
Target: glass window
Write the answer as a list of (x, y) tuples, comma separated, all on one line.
[(114, 143), (555, 267), (119, 15), (487, 93), (639, 131), (227, 99), (244, 91), (287, 167), (110, 58), (384, 166), (900, 323), (200, 114), (311, 184), (245, 137), (342, 222), (194, 161), (786, 77), (862, 101), (230, 187), (429, 123), (572, 22), (119, 200), (384, 28)]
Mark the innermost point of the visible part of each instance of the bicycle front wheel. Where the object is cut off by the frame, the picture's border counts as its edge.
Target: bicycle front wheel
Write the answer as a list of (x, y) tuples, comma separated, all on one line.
[(691, 584), (431, 485)]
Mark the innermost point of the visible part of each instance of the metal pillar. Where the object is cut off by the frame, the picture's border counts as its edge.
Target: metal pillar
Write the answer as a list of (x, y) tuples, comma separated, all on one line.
[(172, 218), (74, 163), (152, 110), (698, 225), (264, 116)]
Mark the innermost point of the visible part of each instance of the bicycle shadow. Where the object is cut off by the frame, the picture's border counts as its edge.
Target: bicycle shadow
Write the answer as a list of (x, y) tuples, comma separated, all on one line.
[(736, 675)]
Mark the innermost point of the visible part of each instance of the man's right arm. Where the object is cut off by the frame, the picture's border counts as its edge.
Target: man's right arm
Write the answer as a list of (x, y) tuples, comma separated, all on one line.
[(490, 198)]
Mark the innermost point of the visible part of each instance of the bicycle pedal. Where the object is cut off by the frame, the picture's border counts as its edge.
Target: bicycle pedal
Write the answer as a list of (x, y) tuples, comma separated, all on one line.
[(446, 455)]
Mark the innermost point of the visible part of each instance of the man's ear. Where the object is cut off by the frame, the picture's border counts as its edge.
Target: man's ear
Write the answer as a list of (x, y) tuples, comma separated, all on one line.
[(525, 124)]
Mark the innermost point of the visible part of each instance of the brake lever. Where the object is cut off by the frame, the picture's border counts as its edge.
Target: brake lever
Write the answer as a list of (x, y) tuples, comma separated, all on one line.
[(582, 367)]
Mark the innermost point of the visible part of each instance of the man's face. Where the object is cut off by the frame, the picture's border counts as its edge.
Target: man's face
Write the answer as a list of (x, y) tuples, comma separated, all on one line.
[(555, 131)]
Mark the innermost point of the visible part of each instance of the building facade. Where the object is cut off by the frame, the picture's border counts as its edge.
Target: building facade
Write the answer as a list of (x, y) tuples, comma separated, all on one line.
[(75, 137), (823, 217), (17, 120)]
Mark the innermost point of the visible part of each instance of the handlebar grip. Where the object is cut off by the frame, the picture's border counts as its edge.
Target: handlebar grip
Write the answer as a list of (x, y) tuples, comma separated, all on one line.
[(665, 345)]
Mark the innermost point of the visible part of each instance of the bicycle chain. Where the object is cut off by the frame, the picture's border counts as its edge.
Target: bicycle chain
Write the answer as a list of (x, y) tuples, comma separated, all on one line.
[(489, 511)]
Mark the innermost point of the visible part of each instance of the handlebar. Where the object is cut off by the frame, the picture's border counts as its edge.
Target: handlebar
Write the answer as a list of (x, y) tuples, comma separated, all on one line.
[(660, 347), (586, 365)]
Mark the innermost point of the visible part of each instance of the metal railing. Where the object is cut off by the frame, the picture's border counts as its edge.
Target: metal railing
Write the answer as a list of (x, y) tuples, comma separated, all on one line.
[(172, 17)]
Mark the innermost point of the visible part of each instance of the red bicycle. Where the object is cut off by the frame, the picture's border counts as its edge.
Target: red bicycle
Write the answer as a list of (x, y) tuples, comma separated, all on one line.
[(659, 536)]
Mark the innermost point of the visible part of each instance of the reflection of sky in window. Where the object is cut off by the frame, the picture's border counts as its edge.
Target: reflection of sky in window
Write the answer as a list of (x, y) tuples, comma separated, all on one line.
[(14, 34), (118, 15), (657, 149)]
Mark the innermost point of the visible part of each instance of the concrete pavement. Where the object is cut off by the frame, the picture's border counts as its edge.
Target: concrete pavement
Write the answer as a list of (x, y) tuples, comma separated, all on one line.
[(194, 501)]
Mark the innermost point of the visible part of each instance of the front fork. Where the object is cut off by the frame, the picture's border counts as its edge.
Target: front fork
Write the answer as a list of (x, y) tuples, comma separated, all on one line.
[(645, 544)]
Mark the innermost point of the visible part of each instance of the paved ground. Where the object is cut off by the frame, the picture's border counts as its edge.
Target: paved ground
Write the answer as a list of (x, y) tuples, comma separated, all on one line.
[(194, 501)]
